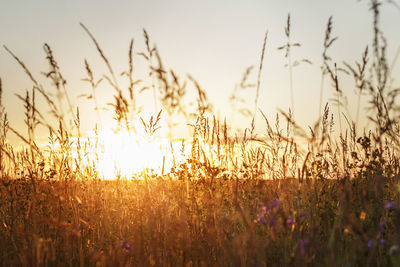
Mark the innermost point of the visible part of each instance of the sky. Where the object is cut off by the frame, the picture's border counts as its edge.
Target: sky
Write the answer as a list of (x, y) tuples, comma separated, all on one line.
[(214, 41)]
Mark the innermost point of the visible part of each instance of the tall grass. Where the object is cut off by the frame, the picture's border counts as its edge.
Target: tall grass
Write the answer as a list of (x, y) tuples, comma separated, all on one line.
[(288, 196)]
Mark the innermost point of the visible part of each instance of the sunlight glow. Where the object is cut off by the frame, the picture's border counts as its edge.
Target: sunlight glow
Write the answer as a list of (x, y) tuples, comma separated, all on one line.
[(124, 154)]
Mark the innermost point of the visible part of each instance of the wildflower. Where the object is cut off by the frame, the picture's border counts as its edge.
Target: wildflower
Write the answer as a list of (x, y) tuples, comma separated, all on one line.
[(125, 245), (370, 244), (303, 214), (275, 203), (272, 222), (390, 205), (382, 242), (264, 209), (261, 219)]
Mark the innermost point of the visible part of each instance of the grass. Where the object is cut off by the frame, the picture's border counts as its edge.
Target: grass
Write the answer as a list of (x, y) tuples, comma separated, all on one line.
[(287, 197), (220, 222)]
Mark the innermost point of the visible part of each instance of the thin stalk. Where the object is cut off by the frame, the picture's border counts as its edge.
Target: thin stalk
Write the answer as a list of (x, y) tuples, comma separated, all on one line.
[(259, 76), (358, 108), (97, 108), (321, 92), (340, 117)]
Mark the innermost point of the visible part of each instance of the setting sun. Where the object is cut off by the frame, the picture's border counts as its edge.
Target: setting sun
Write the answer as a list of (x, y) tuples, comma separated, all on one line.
[(126, 154)]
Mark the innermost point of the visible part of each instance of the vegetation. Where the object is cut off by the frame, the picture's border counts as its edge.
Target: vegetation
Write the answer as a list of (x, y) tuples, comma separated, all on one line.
[(287, 197)]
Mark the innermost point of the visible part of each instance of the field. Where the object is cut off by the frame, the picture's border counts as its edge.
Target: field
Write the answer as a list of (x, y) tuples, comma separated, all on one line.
[(134, 195)]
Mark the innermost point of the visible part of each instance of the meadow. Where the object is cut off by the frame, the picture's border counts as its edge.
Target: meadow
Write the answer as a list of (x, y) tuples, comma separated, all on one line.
[(290, 196)]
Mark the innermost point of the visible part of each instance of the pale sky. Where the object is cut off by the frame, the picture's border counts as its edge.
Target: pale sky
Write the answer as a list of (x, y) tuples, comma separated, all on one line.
[(214, 41)]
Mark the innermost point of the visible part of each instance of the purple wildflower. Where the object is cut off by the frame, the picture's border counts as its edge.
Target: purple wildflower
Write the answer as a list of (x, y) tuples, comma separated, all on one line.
[(272, 222), (275, 203), (382, 242), (390, 205), (261, 219), (125, 245), (370, 244), (264, 209)]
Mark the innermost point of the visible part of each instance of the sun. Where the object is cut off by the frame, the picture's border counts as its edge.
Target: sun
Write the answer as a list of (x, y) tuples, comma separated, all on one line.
[(125, 154)]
